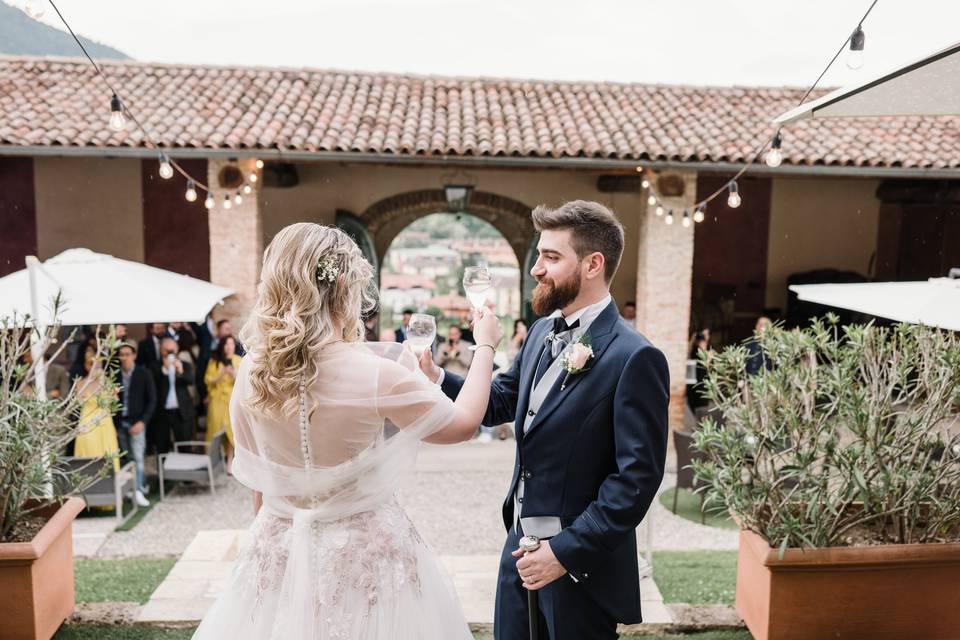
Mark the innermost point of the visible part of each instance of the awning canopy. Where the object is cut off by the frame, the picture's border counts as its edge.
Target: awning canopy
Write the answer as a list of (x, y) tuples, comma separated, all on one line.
[(101, 289), (934, 302), (927, 87)]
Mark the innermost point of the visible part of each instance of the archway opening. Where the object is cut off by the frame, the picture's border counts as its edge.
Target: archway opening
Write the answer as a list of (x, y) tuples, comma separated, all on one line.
[(422, 271)]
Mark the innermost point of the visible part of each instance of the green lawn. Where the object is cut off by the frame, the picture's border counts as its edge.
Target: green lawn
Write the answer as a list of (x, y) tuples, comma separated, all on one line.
[(688, 506), (127, 580), (696, 577)]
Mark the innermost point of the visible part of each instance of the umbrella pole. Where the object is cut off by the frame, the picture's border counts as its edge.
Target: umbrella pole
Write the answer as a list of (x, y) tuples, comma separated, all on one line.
[(38, 350), (37, 341)]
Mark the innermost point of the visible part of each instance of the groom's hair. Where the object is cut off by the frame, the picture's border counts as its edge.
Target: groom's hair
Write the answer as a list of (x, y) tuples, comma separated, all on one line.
[(593, 228)]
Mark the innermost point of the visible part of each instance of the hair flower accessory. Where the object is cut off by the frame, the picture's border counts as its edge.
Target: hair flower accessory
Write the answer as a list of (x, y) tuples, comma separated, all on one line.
[(327, 269)]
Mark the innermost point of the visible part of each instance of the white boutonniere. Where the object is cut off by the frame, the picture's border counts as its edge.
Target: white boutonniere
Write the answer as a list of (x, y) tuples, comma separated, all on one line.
[(576, 358)]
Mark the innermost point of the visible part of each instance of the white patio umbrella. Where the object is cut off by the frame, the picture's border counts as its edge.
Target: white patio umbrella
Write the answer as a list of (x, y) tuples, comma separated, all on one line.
[(925, 87), (100, 289), (934, 302)]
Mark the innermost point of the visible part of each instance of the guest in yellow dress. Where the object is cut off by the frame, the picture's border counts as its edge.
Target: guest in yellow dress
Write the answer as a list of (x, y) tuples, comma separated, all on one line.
[(99, 436), (219, 378)]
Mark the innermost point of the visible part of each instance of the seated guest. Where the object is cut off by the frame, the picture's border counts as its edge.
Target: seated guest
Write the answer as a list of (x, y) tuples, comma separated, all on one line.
[(138, 402)]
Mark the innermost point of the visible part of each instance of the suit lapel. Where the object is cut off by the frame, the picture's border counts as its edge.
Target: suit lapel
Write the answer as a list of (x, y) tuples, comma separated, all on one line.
[(601, 335), (527, 371)]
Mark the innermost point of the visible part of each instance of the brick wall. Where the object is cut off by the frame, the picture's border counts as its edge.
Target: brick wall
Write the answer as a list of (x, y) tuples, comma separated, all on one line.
[(236, 246), (664, 275)]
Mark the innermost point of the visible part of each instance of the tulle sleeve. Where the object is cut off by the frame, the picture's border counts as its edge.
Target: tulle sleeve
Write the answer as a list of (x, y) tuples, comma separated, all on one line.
[(407, 399), (347, 445)]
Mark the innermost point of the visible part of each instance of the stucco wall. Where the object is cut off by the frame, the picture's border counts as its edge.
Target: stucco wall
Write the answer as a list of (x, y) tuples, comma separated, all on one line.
[(324, 188), (93, 203), (818, 223)]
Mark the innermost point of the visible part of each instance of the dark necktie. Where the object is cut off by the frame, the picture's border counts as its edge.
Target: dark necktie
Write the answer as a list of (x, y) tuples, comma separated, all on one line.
[(560, 326)]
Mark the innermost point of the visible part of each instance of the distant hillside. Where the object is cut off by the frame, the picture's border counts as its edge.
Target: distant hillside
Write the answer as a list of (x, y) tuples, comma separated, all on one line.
[(22, 35)]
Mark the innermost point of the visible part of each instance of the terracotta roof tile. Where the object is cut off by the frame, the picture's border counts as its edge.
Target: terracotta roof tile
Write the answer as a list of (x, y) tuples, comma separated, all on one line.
[(48, 101)]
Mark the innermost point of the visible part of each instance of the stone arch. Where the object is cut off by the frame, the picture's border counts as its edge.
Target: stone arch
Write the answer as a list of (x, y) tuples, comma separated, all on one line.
[(388, 217)]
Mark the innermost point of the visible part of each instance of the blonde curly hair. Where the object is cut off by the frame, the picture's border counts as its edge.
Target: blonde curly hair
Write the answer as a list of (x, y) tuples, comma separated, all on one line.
[(298, 313)]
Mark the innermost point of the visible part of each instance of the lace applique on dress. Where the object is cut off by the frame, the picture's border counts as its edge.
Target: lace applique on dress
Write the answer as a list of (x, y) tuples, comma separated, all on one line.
[(363, 558)]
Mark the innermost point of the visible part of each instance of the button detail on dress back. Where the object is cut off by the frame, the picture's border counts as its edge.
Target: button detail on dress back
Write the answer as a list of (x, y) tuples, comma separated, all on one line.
[(304, 442)]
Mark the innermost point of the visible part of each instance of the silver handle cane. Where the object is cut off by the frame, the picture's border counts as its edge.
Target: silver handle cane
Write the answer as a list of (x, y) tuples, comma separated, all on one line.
[(530, 544)]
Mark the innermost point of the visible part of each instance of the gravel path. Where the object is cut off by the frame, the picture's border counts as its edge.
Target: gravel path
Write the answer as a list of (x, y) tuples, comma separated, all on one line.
[(454, 499)]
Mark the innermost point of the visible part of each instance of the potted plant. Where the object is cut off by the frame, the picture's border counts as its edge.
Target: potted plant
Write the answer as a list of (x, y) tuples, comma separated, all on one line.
[(841, 462), (36, 504)]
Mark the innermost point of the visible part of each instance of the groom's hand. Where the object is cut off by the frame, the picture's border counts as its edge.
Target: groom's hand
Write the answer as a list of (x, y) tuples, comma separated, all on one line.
[(538, 568)]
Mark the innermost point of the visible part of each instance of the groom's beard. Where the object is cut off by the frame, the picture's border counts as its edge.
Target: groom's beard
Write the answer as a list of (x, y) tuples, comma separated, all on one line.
[(549, 295)]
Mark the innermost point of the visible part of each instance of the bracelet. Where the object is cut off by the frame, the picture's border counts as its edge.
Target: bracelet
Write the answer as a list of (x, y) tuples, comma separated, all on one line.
[(480, 346)]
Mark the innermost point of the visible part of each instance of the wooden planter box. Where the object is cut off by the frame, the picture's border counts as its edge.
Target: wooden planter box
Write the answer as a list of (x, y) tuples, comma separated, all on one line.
[(887, 592), (36, 578)]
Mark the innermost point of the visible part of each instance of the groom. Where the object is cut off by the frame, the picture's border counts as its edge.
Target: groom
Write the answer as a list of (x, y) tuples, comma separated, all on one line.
[(589, 398)]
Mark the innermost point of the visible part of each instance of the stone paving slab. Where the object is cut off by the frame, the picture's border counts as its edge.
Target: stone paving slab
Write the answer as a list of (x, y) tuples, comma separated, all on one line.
[(200, 575), (90, 534), (453, 498)]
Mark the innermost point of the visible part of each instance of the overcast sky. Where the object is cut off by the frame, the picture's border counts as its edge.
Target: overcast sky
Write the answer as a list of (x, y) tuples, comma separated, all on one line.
[(717, 42)]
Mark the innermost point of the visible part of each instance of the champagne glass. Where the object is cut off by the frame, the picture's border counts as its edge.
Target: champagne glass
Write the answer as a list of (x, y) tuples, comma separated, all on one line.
[(421, 332), (476, 283)]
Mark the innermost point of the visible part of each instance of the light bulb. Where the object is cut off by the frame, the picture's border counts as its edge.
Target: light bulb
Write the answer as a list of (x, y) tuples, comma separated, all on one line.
[(659, 210), (259, 164), (191, 193), (669, 218), (247, 189), (686, 219), (652, 200), (117, 120), (238, 198), (855, 55), (253, 176), (227, 203), (208, 202), (166, 171), (774, 155), (645, 183), (734, 199), (698, 215)]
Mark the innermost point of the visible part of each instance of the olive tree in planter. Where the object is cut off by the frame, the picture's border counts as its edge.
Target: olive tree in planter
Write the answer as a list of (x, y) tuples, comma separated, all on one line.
[(841, 462), (36, 507)]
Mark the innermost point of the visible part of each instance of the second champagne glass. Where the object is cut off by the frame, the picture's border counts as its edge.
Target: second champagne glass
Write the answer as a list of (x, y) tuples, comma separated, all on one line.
[(476, 284), (422, 332)]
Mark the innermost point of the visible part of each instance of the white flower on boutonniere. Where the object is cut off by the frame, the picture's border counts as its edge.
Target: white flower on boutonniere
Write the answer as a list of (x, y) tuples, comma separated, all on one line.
[(575, 359)]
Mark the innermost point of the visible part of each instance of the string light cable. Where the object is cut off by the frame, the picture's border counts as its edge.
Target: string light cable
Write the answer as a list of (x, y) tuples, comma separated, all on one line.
[(119, 112), (772, 145)]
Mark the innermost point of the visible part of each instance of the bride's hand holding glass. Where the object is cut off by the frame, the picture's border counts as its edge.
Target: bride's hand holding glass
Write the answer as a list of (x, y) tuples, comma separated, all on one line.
[(486, 328)]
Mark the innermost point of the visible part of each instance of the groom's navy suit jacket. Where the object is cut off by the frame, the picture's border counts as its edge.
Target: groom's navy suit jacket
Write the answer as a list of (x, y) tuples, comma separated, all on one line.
[(594, 454)]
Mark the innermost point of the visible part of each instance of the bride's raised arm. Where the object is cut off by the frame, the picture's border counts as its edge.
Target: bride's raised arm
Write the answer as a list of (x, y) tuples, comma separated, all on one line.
[(454, 421)]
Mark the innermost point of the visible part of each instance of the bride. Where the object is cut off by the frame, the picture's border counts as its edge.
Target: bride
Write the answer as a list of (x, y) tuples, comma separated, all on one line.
[(331, 553)]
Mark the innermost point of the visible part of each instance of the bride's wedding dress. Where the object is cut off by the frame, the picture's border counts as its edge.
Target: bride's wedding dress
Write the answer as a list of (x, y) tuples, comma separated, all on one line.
[(331, 552)]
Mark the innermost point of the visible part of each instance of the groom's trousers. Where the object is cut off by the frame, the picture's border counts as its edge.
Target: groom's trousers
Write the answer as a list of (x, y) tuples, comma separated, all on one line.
[(566, 611)]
